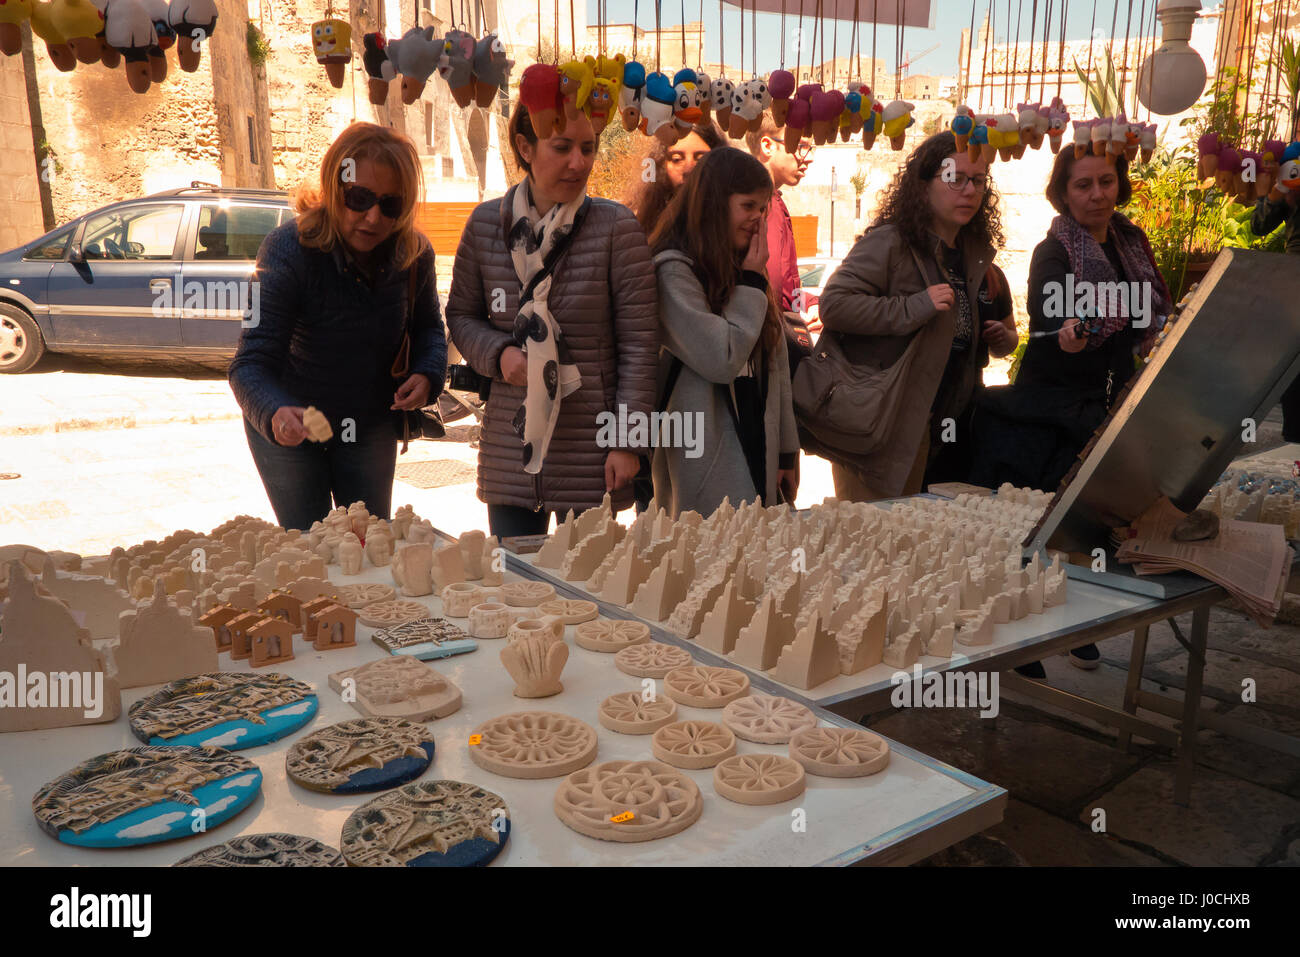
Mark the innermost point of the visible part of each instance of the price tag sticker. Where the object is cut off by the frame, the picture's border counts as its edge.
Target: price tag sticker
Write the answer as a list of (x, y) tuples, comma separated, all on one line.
[(622, 818), (475, 739)]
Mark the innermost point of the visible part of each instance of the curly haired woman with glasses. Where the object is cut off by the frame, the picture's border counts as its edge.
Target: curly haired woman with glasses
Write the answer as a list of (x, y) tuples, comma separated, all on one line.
[(340, 289)]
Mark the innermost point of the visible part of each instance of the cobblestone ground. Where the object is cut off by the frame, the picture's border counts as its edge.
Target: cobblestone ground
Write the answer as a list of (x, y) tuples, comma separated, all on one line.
[(87, 489)]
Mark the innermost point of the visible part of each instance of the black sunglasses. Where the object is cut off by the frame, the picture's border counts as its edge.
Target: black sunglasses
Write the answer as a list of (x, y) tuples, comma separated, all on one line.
[(359, 199)]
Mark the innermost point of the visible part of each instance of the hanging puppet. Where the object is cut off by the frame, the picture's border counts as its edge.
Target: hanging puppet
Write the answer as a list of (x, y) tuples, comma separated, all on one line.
[(12, 15), (193, 21), (539, 92), (454, 62), (379, 68), (129, 30), (491, 69)]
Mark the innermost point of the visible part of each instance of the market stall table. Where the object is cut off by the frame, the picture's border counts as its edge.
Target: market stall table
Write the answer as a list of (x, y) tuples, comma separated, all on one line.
[(913, 808)]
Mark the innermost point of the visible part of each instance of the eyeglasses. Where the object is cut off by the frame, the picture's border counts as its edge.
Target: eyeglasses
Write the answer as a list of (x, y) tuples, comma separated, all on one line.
[(803, 151), (959, 181), (359, 199)]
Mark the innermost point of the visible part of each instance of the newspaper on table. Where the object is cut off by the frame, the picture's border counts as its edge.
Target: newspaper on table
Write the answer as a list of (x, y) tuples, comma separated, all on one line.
[(1251, 560)]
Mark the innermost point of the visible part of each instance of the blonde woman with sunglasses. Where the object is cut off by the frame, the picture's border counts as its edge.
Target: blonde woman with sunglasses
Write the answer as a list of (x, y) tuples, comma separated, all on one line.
[(341, 288)]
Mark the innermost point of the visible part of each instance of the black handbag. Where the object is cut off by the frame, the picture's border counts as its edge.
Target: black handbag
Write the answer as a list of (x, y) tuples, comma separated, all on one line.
[(798, 340), (425, 423)]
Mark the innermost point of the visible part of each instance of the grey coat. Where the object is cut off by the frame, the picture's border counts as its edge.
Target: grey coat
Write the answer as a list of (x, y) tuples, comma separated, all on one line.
[(714, 349)]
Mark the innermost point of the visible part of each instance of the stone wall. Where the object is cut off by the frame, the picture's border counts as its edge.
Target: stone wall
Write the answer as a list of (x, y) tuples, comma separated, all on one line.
[(20, 204)]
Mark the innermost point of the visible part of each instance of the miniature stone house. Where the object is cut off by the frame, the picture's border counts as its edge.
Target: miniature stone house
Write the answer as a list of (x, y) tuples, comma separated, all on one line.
[(240, 643), (309, 610), (270, 642), (282, 605), (218, 619), (334, 626)]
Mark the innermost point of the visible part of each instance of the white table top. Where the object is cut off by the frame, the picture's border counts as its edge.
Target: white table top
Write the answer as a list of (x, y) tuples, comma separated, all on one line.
[(914, 807)]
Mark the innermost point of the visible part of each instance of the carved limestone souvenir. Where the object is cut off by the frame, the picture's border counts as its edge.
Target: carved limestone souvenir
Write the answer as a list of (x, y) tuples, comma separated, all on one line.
[(159, 642), (233, 710), (359, 596), (527, 594), (693, 745), (145, 795), (535, 663), (425, 638), (631, 712), (491, 619), (266, 850), (651, 659), (533, 744), (459, 597), (427, 824), (550, 629), (363, 754), (397, 687), (759, 779), (840, 752), (573, 611), (610, 636), (767, 719), (700, 686), (382, 614), (628, 801)]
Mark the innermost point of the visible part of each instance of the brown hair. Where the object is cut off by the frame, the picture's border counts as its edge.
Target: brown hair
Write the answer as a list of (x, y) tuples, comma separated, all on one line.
[(320, 209), (698, 223), (768, 128), (907, 201), (521, 122), (649, 199), (1058, 182)]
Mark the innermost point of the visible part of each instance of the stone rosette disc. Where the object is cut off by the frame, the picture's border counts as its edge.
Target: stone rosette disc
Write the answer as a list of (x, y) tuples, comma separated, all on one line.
[(767, 719), (628, 801), (361, 595), (840, 752), (527, 594), (693, 745), (266, 850), (360, 755), (629, 713), (610, 636), (700, 686), (651, 659), (427, 824), (574, 611), (759, 778), (146, 795), (226, 709), (384, 613), (533, 744)]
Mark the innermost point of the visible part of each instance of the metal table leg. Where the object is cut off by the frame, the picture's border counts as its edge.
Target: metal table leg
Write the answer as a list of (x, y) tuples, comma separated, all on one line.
[(1191, 705), (1136, 664)]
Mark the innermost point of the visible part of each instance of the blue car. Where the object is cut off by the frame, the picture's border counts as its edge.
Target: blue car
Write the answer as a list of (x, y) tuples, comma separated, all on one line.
[(168, 276)]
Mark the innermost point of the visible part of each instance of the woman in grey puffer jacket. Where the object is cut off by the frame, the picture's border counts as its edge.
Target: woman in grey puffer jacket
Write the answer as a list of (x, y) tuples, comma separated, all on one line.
[(724, 361), (565, 355)]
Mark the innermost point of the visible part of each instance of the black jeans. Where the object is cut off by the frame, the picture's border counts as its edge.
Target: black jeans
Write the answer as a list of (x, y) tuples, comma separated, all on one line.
[(508, 521), (1291, 412), (301, 481)]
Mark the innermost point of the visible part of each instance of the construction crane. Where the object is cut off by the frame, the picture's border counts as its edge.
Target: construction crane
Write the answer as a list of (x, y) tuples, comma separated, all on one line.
[(912, 58)]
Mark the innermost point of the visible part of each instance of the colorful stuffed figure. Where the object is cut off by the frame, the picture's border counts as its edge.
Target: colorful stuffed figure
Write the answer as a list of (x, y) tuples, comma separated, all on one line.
[(491, 69), (897, 117), (781, 85), (1288, 173), (852, 106), (962, 124), (1004, 135), (56, 44), (629, 95), (1027, 126), (1118, 142), (80, 22), (1246, 189), (379, 68), (600, 104), (863, 107), (454, 62), (1100, 133), (129, 30), (1147, 141), (166, 40), (539, 92), (13, 13), (331, 41), (611, 70), (873, 124), (688, 97), (1228, 171), (657, 101), (757, 99), (978, 147), (720, 91), (838, 97), (576, 79), (1207, 152), (1082, 138), (1057, 119), (798, 123), (824, 116), (193, 21), (738, 125)]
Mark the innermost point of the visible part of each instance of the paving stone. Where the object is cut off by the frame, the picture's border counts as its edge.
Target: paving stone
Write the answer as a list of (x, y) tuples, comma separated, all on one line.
[(1044, 765), (1044, 840), (1161, 644), (1230, 822), (1277, 688), (1253, 762), (978, 850)]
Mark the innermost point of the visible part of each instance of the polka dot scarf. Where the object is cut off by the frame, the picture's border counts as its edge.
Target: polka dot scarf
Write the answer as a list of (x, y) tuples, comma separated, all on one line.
[(534, 239)]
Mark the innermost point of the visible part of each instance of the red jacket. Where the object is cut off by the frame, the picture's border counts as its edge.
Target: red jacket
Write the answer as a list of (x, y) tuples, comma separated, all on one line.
[(782, 261)]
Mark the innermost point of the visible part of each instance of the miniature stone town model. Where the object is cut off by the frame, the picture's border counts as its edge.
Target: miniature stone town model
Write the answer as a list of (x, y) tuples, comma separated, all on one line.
[(808, 596)]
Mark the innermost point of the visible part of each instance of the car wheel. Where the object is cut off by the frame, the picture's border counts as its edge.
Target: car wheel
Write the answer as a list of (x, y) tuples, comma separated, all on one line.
[(21, 342)]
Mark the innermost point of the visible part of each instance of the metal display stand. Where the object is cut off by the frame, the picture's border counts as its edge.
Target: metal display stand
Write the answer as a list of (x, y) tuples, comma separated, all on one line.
[(916, 807)]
